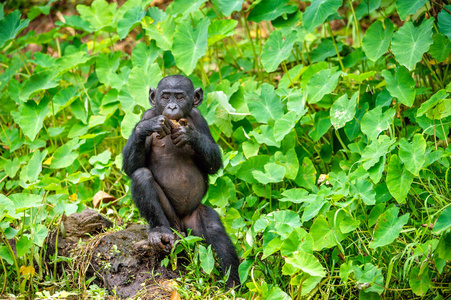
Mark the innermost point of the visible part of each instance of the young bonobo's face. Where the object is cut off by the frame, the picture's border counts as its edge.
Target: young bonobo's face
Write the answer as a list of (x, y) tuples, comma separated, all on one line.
[(174, 97)]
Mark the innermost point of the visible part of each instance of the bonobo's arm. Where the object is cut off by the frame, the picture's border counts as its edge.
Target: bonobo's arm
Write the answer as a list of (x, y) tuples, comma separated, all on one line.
[(206, 152), (134, 153)]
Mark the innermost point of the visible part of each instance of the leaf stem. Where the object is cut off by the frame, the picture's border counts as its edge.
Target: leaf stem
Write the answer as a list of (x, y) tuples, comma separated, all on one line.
[(335, 45)]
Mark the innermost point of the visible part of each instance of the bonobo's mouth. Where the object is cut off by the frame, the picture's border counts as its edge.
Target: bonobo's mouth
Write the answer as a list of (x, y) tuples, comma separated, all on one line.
[(172, 117)]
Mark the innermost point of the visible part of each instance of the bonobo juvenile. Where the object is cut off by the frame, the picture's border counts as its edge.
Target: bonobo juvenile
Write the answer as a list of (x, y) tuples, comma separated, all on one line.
[(168, 157)]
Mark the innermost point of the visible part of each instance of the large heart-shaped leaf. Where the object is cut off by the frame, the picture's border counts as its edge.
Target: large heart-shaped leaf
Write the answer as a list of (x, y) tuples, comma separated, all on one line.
[(441, 47), (374, 151), (322, 83), (408, 7), (318, 11), (399, 179), (374, 121), (277, 49), (388, 227), (268, 10), (401, 85), (190, 44), (100, 15), (37, 82), (130, 19), (412, 154), (410, 42), (265, 106), (32, 117), (184, 7), (343, 110), (227, 7), (444, 21), (377, 39), (10, 26)]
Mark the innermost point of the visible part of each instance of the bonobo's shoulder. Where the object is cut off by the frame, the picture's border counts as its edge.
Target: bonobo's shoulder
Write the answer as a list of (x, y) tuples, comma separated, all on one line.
[(196, 115), (150, 113)]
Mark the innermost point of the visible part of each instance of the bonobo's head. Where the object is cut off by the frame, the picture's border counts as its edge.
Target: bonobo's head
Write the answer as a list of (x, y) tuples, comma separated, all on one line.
[(175, 96)]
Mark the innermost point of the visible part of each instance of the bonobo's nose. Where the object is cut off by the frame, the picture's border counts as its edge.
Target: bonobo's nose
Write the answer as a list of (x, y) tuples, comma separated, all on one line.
[(172, 106)]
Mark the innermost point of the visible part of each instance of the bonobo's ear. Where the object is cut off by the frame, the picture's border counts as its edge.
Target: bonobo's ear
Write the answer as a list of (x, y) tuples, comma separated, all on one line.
[(153, 97), (198, 97)]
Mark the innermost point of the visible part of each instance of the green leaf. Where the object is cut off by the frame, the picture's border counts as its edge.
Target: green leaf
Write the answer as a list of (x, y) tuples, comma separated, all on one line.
[(10, 26), (107, 64), (410, 42), (99, 15), (77, 22), (220, 29), (441, 47), (273, 173), (184, 7), (266, 106), (39, 233), (284, 125), (370, 278), (325, 50), (277, 49), (318, 11), (65, 155), (162, 32), (229, 6), (43, 80), (419, 281), (377, 149), (30, 172), (365, 190), (294, 195), (374, 121), (306, 262), (444, 245), (131, 18), (23, 245), (140, 81), (221, 192), (207, 262), (343, 110), (408, 7), (321, 126), (268, 10), (307, 174), (413, 154), (377, 39), (313, 208), (190, 44), (429, 106), (399, 179), (401, 86), (322, 83), (289, 161), (32, 117), (443, 221), (322, 234), (271, 247), (444, 21), (128, 123), (366, 7), (388, 227), (22, 202)]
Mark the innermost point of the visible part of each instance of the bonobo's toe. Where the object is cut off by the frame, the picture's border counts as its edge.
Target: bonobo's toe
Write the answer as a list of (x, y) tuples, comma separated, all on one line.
[(161, 238)]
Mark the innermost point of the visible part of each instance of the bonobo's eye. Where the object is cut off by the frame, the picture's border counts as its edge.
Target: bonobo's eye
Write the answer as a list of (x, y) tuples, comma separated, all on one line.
[(180, 97), (165, 96)]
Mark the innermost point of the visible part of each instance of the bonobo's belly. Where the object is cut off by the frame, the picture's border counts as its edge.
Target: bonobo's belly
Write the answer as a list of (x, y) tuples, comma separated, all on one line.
[(174, 170)]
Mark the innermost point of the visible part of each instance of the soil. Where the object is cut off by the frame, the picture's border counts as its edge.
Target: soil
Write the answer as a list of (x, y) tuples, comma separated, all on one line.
[(122, 261)]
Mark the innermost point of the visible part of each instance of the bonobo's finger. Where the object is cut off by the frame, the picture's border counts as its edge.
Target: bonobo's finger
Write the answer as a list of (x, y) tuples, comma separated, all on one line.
[(183, 122)]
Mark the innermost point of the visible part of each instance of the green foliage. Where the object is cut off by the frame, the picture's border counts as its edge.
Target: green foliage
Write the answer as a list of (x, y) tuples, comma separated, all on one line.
[(335, 139)]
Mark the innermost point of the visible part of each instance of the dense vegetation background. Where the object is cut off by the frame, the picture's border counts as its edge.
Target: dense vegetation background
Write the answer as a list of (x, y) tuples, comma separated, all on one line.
[(333, 117)]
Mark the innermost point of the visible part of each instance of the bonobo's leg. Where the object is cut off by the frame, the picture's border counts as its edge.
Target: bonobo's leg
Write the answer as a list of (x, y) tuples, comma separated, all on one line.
[(205, 222), (155, 208)]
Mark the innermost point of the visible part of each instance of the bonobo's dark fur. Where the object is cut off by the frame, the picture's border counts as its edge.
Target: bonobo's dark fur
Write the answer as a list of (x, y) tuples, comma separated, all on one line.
[(169, 166)]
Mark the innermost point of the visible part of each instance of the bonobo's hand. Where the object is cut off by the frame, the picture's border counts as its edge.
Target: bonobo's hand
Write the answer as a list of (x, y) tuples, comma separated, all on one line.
[(184, 134), (158, 124), (161, 238)]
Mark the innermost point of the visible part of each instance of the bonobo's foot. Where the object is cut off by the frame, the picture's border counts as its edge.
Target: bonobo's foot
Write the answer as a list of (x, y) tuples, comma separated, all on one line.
[(233, 284), (161, 238)]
